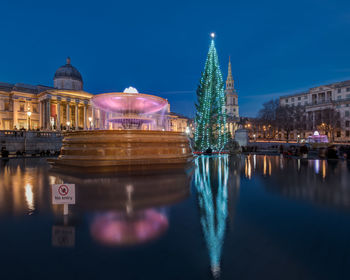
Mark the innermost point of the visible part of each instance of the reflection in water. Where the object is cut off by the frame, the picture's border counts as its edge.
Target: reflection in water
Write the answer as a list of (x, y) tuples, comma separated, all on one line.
[(211, 176), (248, 167), (320, 181), (120, 228), (317, 166), (127, 210), (22, 187), (29, 197), (324, 169)]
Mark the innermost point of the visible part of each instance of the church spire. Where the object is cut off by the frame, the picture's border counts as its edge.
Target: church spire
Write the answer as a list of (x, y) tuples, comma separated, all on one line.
[(229, 81)]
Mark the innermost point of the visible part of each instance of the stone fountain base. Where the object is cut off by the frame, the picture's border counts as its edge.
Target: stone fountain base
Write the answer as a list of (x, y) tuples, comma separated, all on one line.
[(124, 149)]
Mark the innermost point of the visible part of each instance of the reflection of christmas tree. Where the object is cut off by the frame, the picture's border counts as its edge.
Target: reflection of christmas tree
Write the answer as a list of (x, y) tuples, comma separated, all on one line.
[(211, 116), (213, 205)]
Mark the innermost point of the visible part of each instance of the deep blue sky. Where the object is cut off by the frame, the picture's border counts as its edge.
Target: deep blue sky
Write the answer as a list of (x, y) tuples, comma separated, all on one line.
[(276, 47)]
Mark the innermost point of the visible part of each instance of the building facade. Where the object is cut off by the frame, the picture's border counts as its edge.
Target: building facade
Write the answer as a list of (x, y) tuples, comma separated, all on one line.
[(64, 106), (318, 100)]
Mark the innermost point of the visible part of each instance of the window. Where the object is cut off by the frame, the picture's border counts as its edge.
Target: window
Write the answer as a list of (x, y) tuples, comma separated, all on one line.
[(347, 113), (7, 106), (35, 108), (287, 100), (292, 99), (305, 97), (347, 133), (348, 89), (338, 134), (348, 96), (329, 92), (339, 97), (339, 90), (347, 124), (299, 98), (21, 106), (299, 104)]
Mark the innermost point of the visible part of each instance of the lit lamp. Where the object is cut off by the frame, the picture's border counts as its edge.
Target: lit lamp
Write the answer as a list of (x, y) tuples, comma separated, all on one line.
[(29, 113), (90, 120), (298, 138), (187, 130), (254, 137), (68, 125)]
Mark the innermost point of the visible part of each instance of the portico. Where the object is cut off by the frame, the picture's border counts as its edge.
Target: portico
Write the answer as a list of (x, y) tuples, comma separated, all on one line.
[(64, 109)]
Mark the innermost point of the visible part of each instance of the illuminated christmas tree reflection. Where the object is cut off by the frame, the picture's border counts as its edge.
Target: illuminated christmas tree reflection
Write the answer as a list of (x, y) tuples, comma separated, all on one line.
[(211, 177)]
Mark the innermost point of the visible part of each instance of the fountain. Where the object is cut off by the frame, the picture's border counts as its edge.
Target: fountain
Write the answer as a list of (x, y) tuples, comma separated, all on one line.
[(130, 109), (135, 135)]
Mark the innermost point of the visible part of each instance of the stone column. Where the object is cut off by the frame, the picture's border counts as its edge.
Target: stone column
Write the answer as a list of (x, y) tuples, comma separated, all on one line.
[(48, 124), (85, 115), (76, 115), (93, 118), (67, 111), (40, 114), (58, 121)]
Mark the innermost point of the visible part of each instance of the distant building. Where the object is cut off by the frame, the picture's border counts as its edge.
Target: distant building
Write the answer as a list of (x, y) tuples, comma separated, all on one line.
[(64, 105), (232, 108), (315, 100)]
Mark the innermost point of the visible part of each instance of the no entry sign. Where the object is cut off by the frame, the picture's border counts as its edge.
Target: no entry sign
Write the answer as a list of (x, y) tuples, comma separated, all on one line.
[(63, 194)]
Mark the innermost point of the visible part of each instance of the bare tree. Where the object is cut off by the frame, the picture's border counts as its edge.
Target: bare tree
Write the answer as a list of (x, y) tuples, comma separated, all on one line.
[(328, 120)]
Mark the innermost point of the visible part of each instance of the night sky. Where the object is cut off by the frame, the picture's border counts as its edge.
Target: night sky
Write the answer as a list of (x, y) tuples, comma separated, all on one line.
[(159, 47)]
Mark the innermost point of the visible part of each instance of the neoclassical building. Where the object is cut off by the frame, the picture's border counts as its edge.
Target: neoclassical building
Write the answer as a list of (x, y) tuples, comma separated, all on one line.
[(64, 106), (314, 103)]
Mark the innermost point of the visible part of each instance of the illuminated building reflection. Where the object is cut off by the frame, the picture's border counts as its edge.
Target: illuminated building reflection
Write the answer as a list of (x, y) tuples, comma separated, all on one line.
[(248, 167), (22, 185), (211, 177), (317, 166), (29, 197)]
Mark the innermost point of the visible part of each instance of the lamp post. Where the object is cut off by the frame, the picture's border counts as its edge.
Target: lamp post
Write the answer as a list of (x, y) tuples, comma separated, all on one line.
[(68, 125), (29, 113), (90, 120), (298, 136)]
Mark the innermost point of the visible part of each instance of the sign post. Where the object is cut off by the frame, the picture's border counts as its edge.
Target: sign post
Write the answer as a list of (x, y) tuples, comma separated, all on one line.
[(63, 194)]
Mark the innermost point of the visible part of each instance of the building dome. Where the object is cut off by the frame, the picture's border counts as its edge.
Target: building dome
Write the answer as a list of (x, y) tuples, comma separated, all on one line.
[(68, 77)]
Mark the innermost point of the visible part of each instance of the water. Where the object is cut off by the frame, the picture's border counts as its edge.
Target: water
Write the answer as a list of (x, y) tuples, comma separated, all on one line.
[(254, 217)]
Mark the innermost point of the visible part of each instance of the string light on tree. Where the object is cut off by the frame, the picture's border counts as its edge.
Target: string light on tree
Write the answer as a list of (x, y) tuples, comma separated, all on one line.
[(211, 131)]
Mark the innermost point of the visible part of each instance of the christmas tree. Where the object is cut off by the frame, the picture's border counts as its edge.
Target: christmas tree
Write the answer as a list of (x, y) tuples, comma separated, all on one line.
[(211, 116)]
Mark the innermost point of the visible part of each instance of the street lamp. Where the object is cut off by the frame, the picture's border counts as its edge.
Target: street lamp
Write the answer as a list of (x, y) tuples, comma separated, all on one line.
[(298, 136), (68, 125), (29, 113), (90, 120), (254, 137), (187, 130)]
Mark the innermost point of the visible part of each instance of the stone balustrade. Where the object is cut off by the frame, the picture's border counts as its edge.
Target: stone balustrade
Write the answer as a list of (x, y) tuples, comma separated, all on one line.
[(30, 142)]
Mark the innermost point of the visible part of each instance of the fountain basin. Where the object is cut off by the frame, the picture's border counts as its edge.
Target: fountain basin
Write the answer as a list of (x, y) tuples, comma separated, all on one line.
[(126, 149)]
